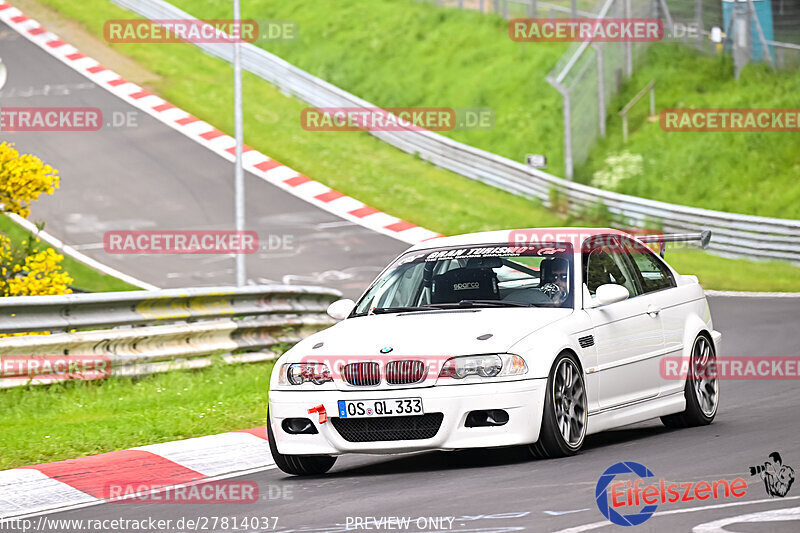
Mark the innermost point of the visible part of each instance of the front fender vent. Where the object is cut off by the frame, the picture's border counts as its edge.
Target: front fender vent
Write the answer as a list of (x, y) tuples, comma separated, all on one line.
[(586, 341)]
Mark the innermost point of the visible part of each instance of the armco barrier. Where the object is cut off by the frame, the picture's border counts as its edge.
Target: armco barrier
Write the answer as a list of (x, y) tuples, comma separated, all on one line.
[(734, 234), (177, 328)]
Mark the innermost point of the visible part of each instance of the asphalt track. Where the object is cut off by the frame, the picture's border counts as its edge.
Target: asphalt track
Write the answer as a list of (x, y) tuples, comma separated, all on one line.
[(502, 490), (152, 177), (148, 176)]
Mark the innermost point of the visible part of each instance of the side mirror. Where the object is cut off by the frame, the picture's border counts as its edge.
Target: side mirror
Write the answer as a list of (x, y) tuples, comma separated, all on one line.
[(611, 293), (340, 309), (3, 74)]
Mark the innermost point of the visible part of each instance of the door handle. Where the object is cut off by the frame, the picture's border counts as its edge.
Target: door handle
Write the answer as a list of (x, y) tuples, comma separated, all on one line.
[(653, 310)]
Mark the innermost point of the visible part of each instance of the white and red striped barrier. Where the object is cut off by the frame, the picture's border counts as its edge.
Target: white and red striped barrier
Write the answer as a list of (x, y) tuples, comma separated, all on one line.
[(76, 483)]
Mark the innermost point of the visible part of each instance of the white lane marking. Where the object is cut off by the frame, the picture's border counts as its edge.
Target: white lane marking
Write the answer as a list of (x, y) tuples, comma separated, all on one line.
[(743, 294), (775, 515), (26, 490), (559, 513), (68, 250), (604, 523), (70, 507), (215, 455)]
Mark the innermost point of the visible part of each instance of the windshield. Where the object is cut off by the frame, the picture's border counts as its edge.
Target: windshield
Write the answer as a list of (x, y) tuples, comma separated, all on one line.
[(474, 276)]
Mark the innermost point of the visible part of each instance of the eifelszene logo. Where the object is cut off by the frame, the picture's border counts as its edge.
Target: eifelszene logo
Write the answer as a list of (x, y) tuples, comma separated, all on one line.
[(778, 477), (630, 495)]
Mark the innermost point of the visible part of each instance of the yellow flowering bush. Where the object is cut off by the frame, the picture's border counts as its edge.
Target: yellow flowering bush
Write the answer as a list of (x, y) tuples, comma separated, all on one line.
[(23, 178), (28, 269)]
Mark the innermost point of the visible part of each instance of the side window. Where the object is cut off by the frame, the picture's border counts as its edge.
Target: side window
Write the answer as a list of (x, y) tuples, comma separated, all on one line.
[(604, 262), (653, 275)]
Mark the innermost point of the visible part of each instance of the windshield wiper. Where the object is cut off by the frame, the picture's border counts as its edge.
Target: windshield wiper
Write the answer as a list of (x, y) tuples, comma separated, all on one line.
[(381, 310), (481, 303)]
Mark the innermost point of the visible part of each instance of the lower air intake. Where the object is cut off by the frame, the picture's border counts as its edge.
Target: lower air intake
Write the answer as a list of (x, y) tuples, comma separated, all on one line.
[(388, 428)]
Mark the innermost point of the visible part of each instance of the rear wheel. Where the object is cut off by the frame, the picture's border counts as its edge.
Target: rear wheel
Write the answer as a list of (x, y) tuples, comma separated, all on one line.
[(298, 465), (701, 391), (565, 411)]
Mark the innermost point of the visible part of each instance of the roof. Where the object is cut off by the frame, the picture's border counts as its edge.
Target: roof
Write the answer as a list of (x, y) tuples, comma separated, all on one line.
[(520, 236)]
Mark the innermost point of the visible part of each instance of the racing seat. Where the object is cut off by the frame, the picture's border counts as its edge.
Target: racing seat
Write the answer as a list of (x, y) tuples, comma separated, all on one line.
[(465, 284)]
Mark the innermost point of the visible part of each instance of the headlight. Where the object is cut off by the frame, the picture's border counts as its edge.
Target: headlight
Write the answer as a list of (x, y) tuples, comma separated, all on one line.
[(487, 366), (299, 373)]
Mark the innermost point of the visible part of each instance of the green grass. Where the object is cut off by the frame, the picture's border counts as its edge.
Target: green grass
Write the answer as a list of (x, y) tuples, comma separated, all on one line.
[(398, 53), (85, 278), (755, 173), (64, 421), (357, 163)]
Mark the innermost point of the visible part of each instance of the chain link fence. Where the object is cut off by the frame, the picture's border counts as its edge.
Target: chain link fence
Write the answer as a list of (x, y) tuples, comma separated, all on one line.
[(590, 74)]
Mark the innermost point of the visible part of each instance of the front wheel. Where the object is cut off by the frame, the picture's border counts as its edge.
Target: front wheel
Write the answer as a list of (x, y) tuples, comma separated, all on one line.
[(701, 390), (565, 411), (298, 465)]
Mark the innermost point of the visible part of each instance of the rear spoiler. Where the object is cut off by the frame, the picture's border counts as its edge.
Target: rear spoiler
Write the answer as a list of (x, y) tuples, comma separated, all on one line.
[(704, 237)]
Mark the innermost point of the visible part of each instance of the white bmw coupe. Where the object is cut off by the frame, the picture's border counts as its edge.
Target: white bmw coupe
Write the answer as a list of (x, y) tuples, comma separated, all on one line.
[(515, 337)]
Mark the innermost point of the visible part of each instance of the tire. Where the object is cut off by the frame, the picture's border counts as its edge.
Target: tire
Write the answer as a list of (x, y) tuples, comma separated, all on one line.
[(702, 396), (567, 411), (298, 465)]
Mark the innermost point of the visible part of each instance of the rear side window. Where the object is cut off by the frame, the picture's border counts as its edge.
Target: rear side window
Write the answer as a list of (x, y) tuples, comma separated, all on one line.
[(604, 262), (653, 274)]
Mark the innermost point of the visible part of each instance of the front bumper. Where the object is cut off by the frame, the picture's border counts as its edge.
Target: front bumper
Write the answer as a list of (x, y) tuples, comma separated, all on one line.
[(522, 400)]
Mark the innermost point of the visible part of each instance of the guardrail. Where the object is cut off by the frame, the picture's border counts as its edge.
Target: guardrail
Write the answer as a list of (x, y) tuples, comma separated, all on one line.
[(734, 234), (157, 331)]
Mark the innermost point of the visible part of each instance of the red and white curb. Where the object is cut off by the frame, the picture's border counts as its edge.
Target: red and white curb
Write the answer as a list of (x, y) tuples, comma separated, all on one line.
[(76, 483), (207, 135)]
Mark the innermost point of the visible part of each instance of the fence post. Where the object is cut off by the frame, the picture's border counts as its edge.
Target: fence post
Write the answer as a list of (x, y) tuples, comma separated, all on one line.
[(601, 92), (497, 6), (574, 9), (481, 6), (653, 101), (505, 9), (625, 127), (460, 4), (628, 44), (698, 13), (533, 9)]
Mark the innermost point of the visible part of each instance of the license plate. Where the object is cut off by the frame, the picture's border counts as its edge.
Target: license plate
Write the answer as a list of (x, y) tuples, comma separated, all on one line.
[(377, 408)]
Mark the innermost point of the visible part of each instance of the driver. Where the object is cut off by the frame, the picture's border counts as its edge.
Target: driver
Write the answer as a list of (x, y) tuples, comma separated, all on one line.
[(556, 279)]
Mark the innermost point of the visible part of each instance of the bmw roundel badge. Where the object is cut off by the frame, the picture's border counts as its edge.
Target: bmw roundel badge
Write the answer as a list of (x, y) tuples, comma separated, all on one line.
[(386, 349)]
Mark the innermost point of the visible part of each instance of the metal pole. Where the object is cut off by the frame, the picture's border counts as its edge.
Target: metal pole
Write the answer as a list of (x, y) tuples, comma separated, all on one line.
[(574, 9), (238, 183), (601, 91), (625, 127), (698, 13), (653, 101), (628, 44)]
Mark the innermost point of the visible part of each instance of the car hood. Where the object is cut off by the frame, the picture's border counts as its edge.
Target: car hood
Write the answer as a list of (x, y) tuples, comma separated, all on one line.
[(429, 333)]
